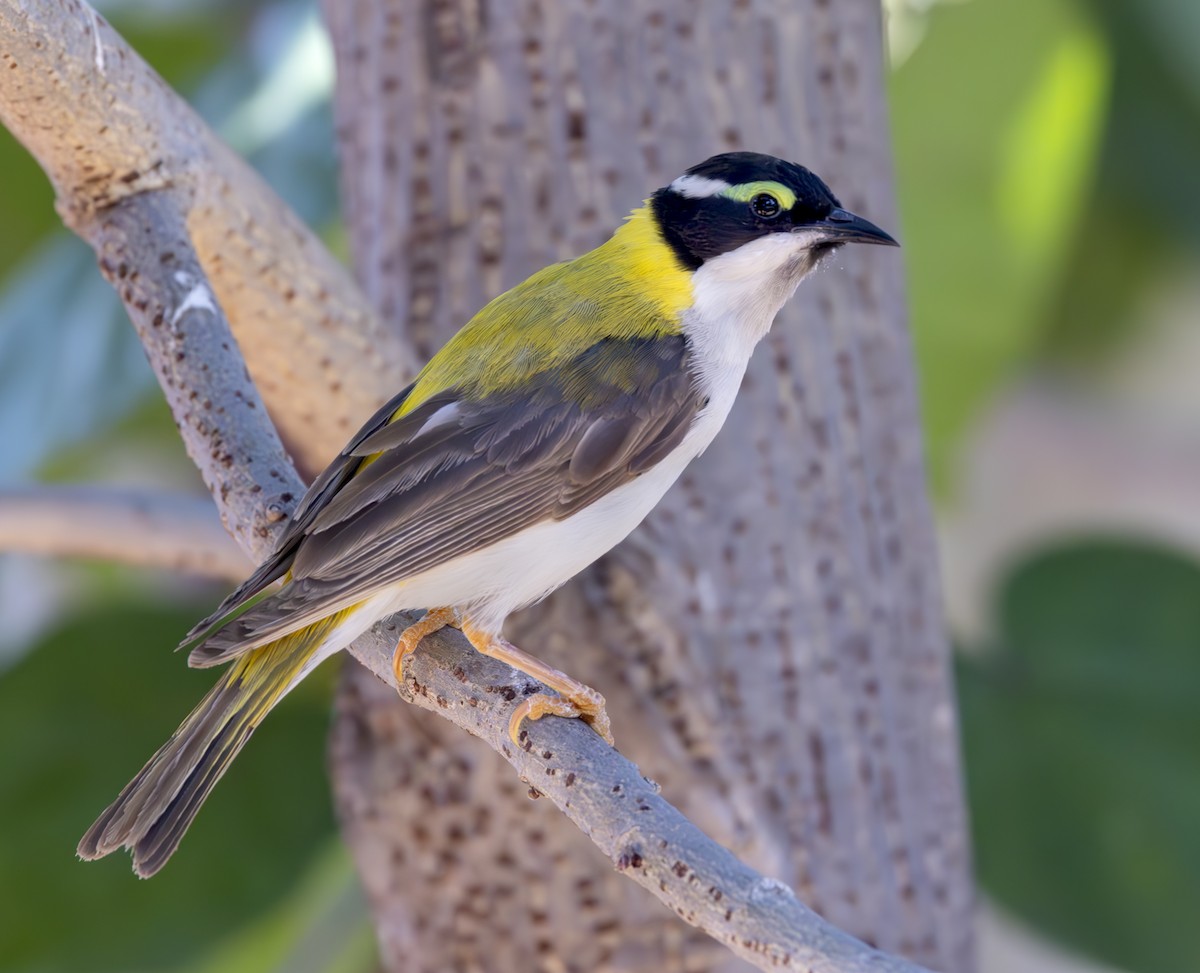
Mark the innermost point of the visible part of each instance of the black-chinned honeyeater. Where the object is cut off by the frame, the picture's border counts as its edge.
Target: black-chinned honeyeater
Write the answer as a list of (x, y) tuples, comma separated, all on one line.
[(531, 444)]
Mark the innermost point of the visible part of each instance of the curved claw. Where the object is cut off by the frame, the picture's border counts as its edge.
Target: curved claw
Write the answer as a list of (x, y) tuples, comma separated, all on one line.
[(587, 706)]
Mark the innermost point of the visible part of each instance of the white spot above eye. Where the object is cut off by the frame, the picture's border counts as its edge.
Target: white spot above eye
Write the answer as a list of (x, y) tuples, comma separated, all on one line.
[(698, 187)]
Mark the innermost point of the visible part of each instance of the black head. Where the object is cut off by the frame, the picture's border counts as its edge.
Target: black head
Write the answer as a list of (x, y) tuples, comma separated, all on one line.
[(735, 198)]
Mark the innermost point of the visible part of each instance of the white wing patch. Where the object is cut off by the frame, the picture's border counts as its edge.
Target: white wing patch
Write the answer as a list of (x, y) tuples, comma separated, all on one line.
[(443, 417)]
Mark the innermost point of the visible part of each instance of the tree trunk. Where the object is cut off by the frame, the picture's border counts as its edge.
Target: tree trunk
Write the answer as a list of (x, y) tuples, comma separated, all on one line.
[(770, 641)]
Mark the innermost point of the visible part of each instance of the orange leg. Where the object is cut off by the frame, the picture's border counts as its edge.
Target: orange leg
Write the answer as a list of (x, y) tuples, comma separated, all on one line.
[(574, 699), (432, 621)]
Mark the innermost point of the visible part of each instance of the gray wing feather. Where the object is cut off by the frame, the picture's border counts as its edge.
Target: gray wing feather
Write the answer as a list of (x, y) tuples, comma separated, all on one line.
[(277, 564), (497, 466)]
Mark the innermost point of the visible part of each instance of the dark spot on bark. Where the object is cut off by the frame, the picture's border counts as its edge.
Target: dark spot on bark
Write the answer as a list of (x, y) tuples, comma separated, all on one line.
[(816, 753), (631, 858)]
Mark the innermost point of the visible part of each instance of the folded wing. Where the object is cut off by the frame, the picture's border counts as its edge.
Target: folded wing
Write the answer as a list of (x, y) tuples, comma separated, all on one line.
[(457, 474)]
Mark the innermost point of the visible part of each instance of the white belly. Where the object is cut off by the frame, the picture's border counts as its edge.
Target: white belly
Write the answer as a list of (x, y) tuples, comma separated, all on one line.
[(492, 583)]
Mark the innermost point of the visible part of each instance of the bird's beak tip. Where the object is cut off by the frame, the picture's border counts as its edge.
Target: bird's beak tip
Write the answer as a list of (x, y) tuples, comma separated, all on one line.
[(842, 226)]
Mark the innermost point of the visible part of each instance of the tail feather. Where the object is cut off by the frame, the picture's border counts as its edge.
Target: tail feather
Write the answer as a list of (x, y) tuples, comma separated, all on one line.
[(245, 595), (266, 618), (152, 812), (162, 837)]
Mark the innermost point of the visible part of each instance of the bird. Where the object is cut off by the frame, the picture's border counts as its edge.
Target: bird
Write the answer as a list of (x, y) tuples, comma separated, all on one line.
[(531, 444)]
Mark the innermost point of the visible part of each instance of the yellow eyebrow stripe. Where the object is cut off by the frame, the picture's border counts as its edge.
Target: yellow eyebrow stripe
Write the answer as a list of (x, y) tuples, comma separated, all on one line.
[(746, 191)]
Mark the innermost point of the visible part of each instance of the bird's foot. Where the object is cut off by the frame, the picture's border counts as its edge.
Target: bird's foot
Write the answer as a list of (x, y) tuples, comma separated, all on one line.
[(586, 704), (574, 699), (432, 621)]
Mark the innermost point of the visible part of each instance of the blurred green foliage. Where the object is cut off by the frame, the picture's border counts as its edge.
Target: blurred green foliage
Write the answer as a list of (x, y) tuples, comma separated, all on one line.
[(1046, 153), (77, 718), (1082, 735), (997, 119), (1145, 212)]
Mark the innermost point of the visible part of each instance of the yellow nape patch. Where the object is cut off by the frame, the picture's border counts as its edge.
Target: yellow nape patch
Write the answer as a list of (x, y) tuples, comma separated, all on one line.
[(646, 261), (746, 191), (632, 286)]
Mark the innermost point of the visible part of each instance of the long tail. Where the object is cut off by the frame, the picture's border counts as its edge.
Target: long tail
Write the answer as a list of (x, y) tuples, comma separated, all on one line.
[(151, 814)]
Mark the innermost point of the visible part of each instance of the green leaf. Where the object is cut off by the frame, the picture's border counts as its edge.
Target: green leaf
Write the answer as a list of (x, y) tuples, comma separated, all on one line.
[(78, 717), (993, 174), (1083, 753), (29, 215), (182, 44)]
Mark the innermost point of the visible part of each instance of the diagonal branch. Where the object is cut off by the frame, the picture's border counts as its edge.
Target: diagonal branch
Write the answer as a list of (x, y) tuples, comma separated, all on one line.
[(144, 237), (154, 530), (609, 799)]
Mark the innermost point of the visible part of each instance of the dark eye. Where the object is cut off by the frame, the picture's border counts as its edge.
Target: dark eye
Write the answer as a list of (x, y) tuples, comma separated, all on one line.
[(765, 206)]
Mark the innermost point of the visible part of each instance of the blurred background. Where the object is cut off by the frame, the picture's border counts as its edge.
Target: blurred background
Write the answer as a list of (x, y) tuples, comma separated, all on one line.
[(1047, 153)]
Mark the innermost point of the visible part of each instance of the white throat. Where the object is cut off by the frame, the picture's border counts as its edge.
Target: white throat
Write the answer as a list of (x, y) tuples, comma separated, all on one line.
[(735, 299), (737, 295)]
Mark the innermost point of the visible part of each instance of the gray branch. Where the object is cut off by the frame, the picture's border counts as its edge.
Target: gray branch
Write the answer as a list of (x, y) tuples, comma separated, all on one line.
[(608, 799), (136, 527), (144, 240)]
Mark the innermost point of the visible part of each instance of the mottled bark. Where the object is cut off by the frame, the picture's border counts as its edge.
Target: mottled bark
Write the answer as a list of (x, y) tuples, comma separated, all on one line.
[(770, 641)]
